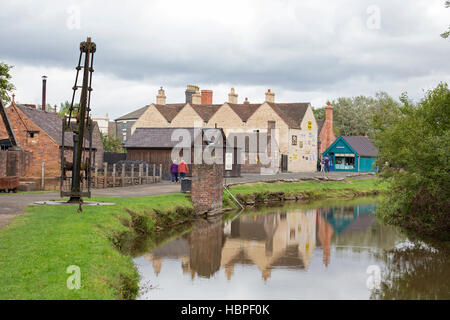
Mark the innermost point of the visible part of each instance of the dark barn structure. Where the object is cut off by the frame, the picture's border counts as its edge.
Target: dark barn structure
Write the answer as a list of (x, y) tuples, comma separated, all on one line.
[(155, 146)]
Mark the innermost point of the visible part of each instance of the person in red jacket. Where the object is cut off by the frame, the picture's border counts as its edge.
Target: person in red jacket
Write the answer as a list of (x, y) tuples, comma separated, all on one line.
[(182, 169)]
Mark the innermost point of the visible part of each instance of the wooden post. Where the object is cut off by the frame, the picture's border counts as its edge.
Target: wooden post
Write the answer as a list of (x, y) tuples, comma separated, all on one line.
[(146, 173), (160, 172), (105, 174), (140, 172), (123, 174), (114, 175), (132, 174), (43, 176), (154, 172), (96, 177)]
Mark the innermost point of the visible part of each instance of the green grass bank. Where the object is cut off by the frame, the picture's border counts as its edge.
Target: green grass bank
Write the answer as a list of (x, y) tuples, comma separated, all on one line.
[(39, 246)]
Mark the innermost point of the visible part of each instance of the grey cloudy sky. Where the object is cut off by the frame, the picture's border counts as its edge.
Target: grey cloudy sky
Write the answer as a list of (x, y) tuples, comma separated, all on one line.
[(303, 50)]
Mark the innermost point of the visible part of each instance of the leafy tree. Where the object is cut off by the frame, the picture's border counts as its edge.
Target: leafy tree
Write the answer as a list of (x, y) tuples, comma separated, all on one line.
[(353, 116), (112, 144), (64, 108), (319, 113), (446, 34), (5, 85), (414, 151)]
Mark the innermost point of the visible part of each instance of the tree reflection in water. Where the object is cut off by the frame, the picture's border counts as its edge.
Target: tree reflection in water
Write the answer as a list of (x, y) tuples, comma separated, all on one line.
[(414, 272)]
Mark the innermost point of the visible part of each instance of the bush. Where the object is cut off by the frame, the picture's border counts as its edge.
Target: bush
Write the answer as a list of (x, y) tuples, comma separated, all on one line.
[(414, 152)]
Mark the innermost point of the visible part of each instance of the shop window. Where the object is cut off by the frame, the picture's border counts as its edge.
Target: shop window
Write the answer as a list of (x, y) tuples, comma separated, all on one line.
[(345, 163)]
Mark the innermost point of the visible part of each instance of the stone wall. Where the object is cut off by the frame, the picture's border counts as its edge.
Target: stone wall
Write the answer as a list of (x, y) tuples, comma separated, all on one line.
[(207, 187)]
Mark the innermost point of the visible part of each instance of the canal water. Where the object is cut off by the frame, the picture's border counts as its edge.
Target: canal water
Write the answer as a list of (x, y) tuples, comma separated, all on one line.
[(325, 250)]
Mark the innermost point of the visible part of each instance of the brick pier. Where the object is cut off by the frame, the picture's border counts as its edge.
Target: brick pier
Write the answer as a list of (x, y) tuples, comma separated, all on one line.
[(207, 188)]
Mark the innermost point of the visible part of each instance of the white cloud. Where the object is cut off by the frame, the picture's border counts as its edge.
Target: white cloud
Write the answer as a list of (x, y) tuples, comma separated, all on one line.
[(303, 51)]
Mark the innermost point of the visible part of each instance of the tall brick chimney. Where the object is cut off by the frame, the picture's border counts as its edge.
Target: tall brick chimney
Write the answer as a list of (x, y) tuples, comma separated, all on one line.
[(161, 97), (207, 96), (232, 96), (44, 92), (327, 136), (270, 96)]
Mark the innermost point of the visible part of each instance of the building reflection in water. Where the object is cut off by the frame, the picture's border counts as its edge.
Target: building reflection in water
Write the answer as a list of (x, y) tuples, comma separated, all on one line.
[(278, 240)]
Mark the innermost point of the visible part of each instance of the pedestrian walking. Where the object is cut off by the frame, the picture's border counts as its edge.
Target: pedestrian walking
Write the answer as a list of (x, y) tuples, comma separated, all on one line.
[(322, 166), (174, 171), (327, 164), (182, 169)]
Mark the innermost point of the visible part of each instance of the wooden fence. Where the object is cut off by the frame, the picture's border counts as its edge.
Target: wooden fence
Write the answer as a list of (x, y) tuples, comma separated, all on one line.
[(119, 177)]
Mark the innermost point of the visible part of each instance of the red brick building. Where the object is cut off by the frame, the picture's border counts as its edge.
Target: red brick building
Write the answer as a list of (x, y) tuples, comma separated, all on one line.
[(39, 132), (326, 135)]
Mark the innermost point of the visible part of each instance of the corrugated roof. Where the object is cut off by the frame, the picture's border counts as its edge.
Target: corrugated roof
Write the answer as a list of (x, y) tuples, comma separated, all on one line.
[(160, 137), (291, 113), (134, 114), (362, 145)]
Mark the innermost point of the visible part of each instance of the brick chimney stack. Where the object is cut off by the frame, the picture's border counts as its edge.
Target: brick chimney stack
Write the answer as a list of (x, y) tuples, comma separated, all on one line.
[(161, 97), (329, 113), (326, 135), (207, 96), (270, 96), (232, 96), (190, 91)]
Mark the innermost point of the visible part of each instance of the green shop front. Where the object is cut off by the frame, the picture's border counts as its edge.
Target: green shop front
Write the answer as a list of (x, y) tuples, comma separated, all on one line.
[(353, 154)]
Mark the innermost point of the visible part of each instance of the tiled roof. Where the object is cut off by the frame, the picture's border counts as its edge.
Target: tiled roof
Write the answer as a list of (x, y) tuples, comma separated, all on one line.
[(51, 124), (206, 111), (169, 111), (159, 137), (291, 113), (134, 115), (243, 110), (362, 145)]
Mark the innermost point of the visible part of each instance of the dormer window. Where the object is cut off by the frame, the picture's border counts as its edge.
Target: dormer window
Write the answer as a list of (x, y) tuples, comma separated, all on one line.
[(32, 134)]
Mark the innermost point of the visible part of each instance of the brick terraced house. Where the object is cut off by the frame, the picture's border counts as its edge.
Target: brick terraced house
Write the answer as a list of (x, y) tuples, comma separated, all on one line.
[(39, 132)]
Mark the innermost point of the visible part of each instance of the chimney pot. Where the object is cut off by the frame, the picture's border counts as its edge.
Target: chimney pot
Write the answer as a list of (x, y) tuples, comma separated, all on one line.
[(270, 96), (246, 101)]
